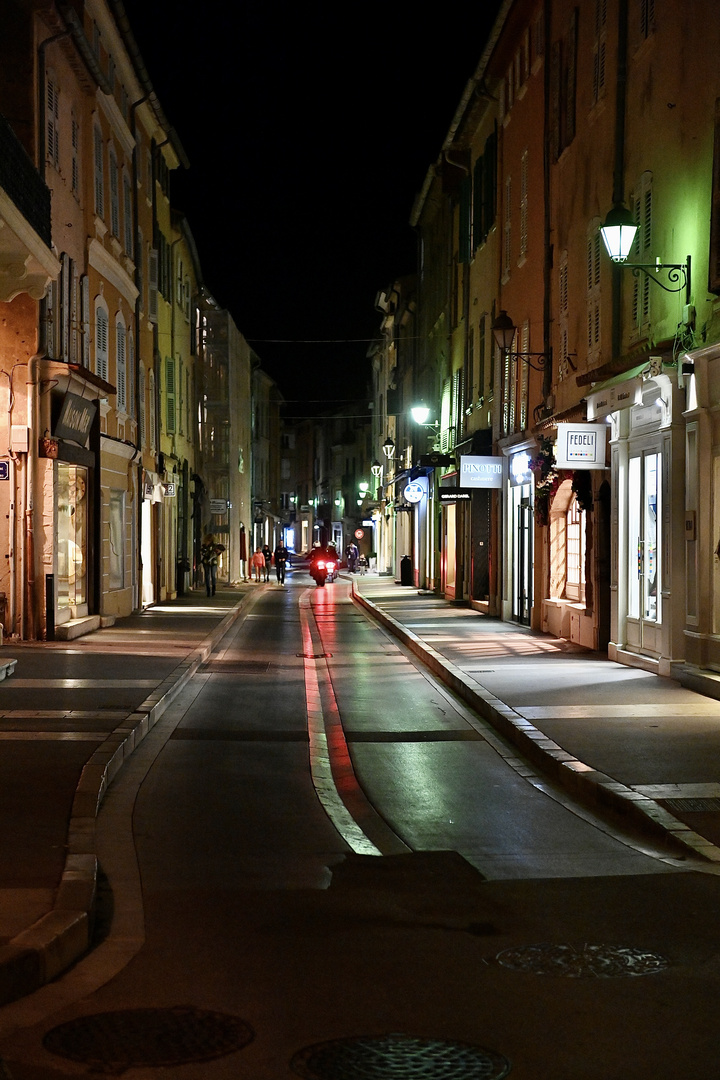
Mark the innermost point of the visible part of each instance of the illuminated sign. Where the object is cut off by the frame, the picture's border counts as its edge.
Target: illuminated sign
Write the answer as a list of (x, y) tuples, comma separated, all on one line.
[(581, 446), (481, 472), (520, 469), (414, 492), (454, 495)]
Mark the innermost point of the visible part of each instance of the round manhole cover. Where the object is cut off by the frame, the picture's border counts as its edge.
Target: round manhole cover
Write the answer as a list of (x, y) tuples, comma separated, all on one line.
[(398, 1057), (131, 1038), (578, 961)]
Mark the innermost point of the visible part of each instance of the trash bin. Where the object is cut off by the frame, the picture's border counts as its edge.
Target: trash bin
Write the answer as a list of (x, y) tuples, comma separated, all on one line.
[(406, 570)]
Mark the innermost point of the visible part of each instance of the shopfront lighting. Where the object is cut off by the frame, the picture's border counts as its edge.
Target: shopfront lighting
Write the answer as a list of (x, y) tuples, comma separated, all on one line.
[(618, 233), (504, 331)]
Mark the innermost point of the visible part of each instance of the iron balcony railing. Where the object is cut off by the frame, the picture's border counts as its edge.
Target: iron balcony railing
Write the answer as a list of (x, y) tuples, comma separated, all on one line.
[(22, 183)]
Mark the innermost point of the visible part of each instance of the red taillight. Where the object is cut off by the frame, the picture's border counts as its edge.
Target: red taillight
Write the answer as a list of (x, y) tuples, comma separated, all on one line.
[(320, 564), (330, 566)]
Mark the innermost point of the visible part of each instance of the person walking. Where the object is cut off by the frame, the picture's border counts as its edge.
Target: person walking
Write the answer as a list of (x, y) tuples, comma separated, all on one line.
[(267, 556), (209, 552), (281, 556), (257, 564), (351, 554)]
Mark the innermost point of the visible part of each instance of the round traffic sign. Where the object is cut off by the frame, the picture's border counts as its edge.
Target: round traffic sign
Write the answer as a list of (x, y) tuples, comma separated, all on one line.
[(359, 533)]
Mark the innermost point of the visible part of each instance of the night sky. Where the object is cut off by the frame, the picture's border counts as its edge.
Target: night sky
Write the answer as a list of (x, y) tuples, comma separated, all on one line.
[(309, 130)]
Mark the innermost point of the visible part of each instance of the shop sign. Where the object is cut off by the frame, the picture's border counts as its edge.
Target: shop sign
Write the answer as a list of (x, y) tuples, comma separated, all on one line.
[(414, 492), (219, 506), (581, 446), (481, 472), (519, 467), (607, 401), (169, 490), (4, 470), (148, 490), (75, 420), (454, 495)]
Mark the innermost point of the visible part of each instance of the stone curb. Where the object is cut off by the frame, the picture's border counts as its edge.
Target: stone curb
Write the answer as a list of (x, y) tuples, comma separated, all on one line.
[(45, 949), (580, 779)]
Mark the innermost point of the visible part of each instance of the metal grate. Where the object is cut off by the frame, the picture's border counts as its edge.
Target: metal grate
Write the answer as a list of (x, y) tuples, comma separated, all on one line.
[(112, 1042), (398, 1057), (692, 806), (582, 961)]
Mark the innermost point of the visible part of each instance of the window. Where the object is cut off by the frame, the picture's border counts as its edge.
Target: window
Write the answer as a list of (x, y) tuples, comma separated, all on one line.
[(101, 343), (575, 552), (99, 172), (647, 18), (153, 413), (523, 377), (130, 406), (484, 198), (599, 50), (85, 319), (121, 367), (563, 84), (153, 285), (52, 150), (114, 195), (563, 313)]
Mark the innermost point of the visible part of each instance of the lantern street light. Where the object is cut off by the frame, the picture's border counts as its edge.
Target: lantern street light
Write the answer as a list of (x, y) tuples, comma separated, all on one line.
[(618, 233), (504, 330)]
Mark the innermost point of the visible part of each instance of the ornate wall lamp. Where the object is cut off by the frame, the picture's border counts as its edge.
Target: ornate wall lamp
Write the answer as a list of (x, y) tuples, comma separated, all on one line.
[(618, 233), (504, 331)]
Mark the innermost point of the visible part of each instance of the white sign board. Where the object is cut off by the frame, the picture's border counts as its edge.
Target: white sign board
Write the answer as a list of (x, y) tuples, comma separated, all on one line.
[(581, 446), (414, 492), (480, 472), (218, 506)]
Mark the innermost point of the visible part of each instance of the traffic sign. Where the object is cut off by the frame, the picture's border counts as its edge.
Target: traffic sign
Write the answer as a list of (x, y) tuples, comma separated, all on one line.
[(4, 470), (359, 533)]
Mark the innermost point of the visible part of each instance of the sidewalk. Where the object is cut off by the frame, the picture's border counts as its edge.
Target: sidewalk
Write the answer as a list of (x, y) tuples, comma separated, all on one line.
[(70, 712), (619, 738)]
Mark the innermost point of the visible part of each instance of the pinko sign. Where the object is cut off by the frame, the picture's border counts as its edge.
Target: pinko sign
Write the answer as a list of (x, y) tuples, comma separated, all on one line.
[(481, 472)]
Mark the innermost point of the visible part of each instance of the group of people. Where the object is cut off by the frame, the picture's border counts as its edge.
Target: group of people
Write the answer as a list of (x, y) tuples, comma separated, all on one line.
[(264, 558)]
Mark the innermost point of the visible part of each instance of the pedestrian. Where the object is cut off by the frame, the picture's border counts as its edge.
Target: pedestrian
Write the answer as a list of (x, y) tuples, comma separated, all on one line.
[(209, 553), (281, 556), (267, 556), (257, 564), (351, 554)]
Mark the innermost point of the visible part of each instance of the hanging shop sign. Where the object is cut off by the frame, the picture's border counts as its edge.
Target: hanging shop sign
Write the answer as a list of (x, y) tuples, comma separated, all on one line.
[(75, 420), (519, 469), (581, 446), (454, 495), (414, 492), (5, 469), (481, 472), (169, 490), (621, 396), (219, 506)]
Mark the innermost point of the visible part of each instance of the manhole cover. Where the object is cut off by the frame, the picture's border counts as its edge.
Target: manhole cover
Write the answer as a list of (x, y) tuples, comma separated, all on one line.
[(398, 1057), (578, 961), (114, 1041)]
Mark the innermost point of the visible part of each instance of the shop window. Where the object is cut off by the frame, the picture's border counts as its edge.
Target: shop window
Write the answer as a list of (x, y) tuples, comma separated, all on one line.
[(575, 552), (116, 552), (72, 540)]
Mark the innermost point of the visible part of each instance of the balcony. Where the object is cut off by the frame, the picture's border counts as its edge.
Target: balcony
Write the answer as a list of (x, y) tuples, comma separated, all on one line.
[(26, 261)]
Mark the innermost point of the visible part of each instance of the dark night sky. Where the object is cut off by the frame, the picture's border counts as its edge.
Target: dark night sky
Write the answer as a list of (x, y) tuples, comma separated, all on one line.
[(309, 130)]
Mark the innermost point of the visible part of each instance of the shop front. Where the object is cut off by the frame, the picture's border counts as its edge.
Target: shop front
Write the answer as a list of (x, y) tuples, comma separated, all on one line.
[(519, 528), (647, 585)]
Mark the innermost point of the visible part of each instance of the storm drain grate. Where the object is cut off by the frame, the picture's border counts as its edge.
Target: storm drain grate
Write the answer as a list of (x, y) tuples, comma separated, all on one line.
[(112, 1042), (313, 655), (684, 806), (582, 961), (236, 667), (398, 1057)]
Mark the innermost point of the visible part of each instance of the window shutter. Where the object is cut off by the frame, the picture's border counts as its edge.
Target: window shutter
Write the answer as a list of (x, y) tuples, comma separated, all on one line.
[(524, 205), (52, 148), (85, 318), (114, 196), (153, 285), (128, 215), (121, 368), (571, 77), (65, 280), (101, 343), (130, 406), (507, 239), (153, 413), (170, 395), (464, 238), (141, 394), (75, 145)]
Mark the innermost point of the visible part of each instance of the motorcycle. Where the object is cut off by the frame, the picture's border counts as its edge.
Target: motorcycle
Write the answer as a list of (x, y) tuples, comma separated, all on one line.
[(323, 570)]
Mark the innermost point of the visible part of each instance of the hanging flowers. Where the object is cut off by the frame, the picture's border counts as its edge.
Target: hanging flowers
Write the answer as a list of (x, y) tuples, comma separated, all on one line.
[(547, 479)]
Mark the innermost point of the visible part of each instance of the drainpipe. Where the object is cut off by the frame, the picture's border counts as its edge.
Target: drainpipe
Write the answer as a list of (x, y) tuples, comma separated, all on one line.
[(619, 168)]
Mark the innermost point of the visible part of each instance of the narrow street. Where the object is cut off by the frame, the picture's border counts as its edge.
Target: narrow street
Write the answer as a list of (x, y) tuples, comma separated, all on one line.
[(321, 842)]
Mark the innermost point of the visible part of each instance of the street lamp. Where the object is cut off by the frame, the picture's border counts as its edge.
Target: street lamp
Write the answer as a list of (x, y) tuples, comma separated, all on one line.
[(618, 233), (376, 469), (504, 330), (389, 448)]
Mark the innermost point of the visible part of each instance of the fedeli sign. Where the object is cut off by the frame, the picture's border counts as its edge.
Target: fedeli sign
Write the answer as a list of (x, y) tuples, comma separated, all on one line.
[(581, 446), (480, 472)]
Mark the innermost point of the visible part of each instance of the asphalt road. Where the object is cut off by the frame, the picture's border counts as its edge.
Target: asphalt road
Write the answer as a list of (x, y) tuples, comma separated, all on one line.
[(318, 839)]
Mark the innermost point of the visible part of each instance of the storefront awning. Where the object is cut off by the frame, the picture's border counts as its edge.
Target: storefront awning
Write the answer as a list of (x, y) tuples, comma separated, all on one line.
[(620, 392)]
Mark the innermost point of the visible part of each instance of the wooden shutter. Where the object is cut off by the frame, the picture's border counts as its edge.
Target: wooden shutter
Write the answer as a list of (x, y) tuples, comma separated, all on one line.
[(121, 368), (153, 264), (101, 343), (170, 396)]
